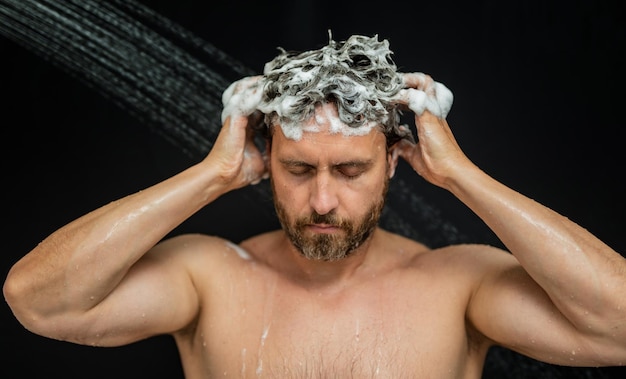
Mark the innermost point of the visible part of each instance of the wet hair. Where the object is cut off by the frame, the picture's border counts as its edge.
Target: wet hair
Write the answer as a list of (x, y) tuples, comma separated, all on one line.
[(357, 74)]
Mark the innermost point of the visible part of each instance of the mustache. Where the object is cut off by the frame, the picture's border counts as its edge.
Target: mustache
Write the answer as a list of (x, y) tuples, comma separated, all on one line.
[(329, 219)]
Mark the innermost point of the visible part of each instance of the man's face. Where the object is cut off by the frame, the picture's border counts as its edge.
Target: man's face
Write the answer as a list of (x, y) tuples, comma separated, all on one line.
[(329, 188)]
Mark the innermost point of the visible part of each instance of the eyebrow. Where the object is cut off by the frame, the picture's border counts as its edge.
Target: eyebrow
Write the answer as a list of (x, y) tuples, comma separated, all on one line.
[(352, 163)]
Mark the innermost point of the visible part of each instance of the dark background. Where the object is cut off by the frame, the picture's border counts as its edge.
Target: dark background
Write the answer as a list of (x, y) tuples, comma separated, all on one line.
[(539, 105)]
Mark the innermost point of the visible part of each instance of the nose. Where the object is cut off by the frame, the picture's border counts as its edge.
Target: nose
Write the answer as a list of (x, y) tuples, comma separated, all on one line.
[(323, 198)]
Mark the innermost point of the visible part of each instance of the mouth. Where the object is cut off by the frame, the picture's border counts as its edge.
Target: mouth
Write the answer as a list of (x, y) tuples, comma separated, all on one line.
[(323, 228)]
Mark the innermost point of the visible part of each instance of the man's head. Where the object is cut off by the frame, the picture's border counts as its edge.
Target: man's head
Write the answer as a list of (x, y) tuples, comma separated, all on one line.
[(331, 118)]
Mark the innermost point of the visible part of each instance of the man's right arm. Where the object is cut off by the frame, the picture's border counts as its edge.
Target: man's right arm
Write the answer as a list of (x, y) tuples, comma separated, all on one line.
[(91, 266)]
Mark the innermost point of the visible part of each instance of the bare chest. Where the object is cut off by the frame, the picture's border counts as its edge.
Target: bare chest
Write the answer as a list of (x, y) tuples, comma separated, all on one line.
[(379, 329)]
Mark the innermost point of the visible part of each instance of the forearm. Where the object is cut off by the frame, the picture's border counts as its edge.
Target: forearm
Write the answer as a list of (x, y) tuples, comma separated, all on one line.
[(81, 263), (582, 275)]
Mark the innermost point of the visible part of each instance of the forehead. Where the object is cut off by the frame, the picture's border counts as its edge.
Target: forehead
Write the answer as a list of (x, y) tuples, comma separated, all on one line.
[(325, 135), (325, 118)]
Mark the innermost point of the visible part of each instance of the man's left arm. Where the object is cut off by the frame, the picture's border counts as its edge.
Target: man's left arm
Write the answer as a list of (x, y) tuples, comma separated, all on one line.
[(584, 280)]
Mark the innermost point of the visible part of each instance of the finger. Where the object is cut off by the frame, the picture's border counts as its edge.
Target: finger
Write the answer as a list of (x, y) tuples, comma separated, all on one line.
[(419, 101), (444, 98), (256, 158), (438, 97), (242, 97), (411, 153), (405, 148), (418, 81), (414, 99)]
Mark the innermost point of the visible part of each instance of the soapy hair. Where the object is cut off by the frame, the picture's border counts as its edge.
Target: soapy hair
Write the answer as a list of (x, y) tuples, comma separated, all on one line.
[(358, 75)]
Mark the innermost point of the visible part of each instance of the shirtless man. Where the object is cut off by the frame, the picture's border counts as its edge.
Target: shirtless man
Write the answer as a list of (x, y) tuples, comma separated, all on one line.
[(331, 294)]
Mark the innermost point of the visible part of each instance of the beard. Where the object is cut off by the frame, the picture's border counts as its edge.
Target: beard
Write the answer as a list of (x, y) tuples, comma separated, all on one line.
[(330, 247)]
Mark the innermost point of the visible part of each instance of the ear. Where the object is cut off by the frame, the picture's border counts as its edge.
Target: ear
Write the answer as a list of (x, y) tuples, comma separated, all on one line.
[(392, 159)]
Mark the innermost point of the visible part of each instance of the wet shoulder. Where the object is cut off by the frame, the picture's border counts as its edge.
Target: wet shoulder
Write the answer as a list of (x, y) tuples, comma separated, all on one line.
[(452, 257), (262, 244), (470, 260), (201, 252)]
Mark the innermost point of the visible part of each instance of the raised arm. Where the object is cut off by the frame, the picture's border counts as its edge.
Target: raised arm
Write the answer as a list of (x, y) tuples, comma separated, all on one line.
[(99, 279), (566, 303)]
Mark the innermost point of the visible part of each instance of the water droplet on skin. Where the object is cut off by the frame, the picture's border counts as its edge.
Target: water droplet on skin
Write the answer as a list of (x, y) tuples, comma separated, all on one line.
[(240, 251), (243, 359)]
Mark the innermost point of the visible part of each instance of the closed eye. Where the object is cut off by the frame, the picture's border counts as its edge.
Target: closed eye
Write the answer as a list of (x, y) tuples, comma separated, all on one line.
[(300, 170), (348, 170), (297, 168), (352, 170), (350, 173)]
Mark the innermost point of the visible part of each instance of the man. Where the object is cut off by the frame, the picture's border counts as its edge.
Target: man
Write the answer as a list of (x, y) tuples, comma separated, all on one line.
[(330, 294)]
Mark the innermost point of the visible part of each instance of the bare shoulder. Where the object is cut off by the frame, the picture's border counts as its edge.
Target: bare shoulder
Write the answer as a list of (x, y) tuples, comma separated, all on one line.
[(260, 245), (190, 244), (207, 261), (198, 252), (473, 259), (472, 252)]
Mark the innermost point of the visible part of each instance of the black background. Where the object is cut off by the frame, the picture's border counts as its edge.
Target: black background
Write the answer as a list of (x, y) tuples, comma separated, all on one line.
[(539, 105)]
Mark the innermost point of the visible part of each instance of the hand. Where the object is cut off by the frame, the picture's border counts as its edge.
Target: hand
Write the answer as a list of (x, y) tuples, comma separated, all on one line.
[(436, 156), (238, 159)]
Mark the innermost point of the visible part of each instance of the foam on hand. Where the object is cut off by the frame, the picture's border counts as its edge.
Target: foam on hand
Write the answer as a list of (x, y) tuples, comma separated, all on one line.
[(423, 93), (242, 97), (438, 104)]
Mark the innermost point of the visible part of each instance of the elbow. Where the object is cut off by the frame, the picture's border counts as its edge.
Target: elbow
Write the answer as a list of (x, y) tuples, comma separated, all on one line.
[(13, 292), (16, 296), (41, 312), (19, 296)]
